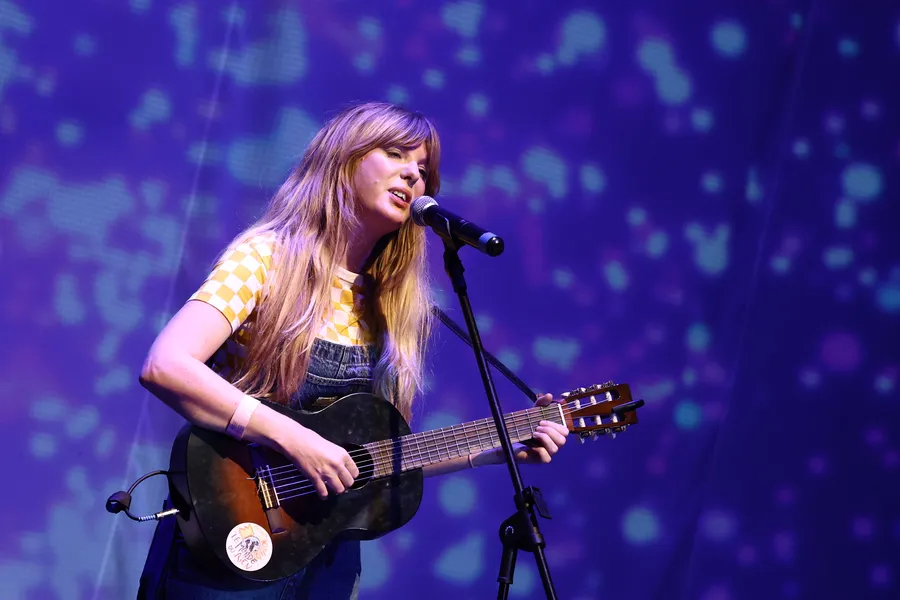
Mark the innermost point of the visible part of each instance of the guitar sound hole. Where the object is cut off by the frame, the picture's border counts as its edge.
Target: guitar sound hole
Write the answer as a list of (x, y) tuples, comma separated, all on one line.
[(365, 463)]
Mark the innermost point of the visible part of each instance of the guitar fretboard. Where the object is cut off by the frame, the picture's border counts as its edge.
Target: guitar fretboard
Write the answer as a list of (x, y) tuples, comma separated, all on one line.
[(418, 450)]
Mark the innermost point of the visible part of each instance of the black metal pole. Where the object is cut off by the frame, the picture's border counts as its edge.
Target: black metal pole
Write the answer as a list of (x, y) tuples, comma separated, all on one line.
[(521, 530)]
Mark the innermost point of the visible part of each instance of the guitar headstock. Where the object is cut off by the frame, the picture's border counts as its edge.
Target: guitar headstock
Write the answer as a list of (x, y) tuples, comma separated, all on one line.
[(602, 409)]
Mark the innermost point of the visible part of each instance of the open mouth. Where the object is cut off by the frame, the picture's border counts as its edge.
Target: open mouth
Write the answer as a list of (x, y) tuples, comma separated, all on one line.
[(399, 197)]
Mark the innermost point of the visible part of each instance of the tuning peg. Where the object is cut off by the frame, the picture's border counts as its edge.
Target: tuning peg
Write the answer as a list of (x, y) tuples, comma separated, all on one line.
[(580, 439)]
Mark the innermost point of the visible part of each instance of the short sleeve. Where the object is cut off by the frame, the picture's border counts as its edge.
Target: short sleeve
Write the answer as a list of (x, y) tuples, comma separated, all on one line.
[(235, 285)]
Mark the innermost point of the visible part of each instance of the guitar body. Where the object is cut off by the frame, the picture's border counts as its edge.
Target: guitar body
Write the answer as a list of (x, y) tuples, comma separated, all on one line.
[(213, 484)]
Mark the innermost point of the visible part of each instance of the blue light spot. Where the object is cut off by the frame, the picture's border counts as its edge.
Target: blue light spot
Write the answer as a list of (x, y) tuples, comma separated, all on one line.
[(139, 6), (545, 64), (837, 257), (477, 104), (364, 61), (154, 108), (105, 443), (593, 179), (66, 301), (376, 561), (753, 189), (183, 19), (711, 183), (278, 60), (83, 422), (545, 166), (689, 376), (842, 150), (583, 32), (862, 181), (698, 337), (673, 87), (710, 250), (616, 275), (474, 180), (845, 214), (702, 120), (888, 297), (688, 415), (510, 358), (85, 45), (637, 216), (848, 48), (369, 28), (463, 561), (43, 445), (640, 526), (718, 526), (728, 39), (655, 55), (563, 278), (118, 379), (457, 496), (536, 206), (558, 352), (796, 20), (397, 94), (433, 79), (867, 277), (525, 581), (780, 264), (234, 15), (801, 148), (463, 17), (484, 322), (48, 408), (69, 133), (884, 384), (468, 55), (264, 160), (657, 244), (505, 179)]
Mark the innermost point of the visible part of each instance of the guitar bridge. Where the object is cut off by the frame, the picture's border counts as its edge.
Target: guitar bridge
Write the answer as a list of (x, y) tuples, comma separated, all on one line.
[(265, 487), (268, 494)]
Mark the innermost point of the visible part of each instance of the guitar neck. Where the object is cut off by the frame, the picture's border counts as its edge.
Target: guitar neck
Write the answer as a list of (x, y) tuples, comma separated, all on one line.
[(418, 450)]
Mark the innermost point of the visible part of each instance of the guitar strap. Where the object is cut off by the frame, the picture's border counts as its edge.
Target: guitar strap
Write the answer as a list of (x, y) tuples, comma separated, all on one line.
[(503, 369)]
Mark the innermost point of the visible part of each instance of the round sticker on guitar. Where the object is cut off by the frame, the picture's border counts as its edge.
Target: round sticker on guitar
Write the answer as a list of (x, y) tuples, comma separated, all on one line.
[(249, 547)]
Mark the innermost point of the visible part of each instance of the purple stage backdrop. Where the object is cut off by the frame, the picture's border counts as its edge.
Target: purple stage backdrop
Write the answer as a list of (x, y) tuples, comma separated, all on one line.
[(695, 198)]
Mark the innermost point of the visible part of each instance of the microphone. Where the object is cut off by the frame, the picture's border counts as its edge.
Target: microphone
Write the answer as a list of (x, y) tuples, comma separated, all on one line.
[(426, 212)]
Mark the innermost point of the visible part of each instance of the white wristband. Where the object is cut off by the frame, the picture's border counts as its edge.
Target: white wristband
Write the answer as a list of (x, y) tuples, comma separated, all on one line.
[(471, 466), (241, 417)]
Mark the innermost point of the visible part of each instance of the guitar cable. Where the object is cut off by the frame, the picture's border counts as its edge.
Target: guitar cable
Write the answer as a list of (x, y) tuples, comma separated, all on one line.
[(503, 369), (121, 501)]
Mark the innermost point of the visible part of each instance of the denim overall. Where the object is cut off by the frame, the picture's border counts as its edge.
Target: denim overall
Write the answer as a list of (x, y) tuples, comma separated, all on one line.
[(170, 573)]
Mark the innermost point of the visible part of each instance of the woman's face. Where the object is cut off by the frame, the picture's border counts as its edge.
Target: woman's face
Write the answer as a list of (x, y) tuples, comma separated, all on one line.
[(386, 181)]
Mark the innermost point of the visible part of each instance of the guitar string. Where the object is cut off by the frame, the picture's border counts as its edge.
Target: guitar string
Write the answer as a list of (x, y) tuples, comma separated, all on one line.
[(300, 485), (518, 417), (417, 453)]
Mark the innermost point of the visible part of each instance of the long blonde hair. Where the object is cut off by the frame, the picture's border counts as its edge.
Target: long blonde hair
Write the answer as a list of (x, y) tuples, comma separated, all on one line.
[(310, 217)]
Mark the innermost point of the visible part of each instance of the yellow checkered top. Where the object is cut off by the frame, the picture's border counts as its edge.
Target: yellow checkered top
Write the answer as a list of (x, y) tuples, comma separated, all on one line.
[(237, 286)]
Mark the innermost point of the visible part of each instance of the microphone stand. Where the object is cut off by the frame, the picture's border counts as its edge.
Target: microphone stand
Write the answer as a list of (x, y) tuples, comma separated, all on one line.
[(520, 531)]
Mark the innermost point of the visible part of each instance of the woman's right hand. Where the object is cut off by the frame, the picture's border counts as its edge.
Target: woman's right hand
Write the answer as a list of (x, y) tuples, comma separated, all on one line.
[(327, 465)]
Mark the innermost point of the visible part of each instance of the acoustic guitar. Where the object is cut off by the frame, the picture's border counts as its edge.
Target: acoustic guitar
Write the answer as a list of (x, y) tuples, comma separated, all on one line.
[(248, 509)]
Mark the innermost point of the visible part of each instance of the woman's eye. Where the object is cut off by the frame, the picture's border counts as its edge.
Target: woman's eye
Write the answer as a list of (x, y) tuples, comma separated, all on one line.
[(423, 174), (394, 154)]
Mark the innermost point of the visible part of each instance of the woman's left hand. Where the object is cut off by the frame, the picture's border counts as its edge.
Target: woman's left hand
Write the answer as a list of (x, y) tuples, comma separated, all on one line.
[(550, 437)]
